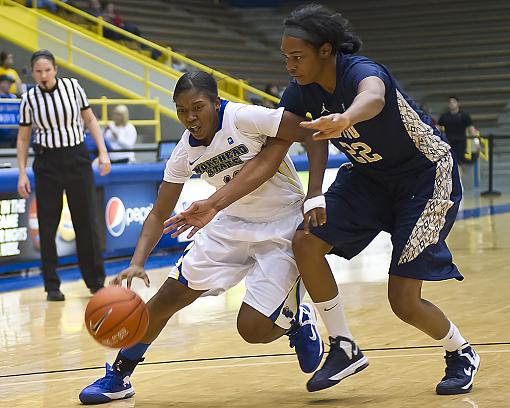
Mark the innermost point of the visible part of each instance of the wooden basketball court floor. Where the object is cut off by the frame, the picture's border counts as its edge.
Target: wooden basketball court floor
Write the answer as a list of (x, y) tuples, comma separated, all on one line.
[(47, 357)]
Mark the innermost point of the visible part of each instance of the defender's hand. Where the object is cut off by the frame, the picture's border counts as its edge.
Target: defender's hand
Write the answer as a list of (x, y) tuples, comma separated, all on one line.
[(316, 215), (197, 216), (328, 127)]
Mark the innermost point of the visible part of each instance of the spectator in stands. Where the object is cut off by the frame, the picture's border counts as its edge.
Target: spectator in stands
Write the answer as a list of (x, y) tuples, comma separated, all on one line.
[(94, 8), (111, 16), (7, 136), (6, 63), (120, 134), (457, 125), (5, 87)]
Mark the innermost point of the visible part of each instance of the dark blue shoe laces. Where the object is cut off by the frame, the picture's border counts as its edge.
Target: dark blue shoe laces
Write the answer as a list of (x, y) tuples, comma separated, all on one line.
[(455, 364)]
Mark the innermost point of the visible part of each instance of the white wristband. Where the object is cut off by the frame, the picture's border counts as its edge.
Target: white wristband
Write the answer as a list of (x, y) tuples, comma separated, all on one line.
[(315, 202)]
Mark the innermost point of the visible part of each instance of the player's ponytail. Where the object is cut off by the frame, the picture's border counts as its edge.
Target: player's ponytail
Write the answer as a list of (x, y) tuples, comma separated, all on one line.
[(200, 80), (318, 25)]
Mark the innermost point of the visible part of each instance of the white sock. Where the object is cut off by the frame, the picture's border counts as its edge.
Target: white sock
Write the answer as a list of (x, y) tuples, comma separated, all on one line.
[(453, 340), (332, 315)]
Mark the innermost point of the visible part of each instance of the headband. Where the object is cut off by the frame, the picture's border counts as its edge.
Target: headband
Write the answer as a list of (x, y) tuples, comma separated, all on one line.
[(298, 32)]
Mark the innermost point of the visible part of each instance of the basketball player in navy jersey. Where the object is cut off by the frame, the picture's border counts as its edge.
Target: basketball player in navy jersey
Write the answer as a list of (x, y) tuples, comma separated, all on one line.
[(403, 180)]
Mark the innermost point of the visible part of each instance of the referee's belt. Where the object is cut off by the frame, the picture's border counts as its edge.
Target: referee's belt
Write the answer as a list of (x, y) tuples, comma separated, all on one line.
[(40, 149)]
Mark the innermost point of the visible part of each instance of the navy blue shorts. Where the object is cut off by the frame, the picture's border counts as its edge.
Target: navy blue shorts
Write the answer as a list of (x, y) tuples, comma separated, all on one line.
[(418, 211)]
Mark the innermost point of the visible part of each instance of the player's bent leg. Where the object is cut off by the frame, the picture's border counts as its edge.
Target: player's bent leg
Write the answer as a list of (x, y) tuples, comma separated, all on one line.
[(462, 362), (344, 358), (170, 298), (309, 251), (406, 302), (255, 328)]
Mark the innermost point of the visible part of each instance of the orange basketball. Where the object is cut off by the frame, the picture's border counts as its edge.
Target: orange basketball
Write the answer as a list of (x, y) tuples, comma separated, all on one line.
[(116, 317)]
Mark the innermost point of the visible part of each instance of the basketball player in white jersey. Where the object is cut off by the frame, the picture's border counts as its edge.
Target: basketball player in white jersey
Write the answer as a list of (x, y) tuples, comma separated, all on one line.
[(250, 239)]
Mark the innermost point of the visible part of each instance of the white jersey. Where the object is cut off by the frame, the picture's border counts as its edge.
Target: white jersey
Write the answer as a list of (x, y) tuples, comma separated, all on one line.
[(242, 132)]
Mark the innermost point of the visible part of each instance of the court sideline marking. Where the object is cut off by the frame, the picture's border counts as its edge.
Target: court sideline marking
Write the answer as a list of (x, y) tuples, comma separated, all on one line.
[(268, 363), (199, 360)]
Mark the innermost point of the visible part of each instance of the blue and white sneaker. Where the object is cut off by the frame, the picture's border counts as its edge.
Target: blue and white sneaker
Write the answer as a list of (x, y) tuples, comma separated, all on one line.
[(461, 367), (305, 339), (344, 359), (109, 388)]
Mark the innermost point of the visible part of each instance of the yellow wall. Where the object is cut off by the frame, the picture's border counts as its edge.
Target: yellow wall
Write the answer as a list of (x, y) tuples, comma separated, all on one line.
[(17, 33)]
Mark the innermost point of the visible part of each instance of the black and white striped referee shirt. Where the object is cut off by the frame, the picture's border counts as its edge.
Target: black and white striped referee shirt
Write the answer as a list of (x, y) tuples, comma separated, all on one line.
[(55, 114)]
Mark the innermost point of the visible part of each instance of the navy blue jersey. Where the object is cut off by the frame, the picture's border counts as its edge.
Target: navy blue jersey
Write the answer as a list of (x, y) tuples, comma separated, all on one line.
[(399, 140)]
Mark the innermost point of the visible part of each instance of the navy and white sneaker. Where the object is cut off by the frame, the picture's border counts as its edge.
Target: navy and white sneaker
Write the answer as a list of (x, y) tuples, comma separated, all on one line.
[(305, 338), (113, 386), (344, 359), (461, 367)]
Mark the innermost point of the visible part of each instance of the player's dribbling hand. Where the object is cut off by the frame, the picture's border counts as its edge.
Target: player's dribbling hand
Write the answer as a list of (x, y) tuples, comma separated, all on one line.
[(329, 126), (132, 271), (316, 216), (197, 216)]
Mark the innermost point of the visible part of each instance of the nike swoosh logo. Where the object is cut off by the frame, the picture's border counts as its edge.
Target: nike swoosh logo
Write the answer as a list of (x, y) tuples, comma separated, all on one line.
[(94, 328), (331, 308), (191, 163), (468, 371), (314, 337)]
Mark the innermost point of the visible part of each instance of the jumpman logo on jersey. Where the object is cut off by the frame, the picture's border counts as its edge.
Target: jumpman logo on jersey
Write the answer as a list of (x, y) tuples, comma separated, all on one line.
[(324, 110)]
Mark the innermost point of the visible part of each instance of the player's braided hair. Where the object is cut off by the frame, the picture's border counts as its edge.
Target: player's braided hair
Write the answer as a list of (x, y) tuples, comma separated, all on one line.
[(199, 80), (322, 26)]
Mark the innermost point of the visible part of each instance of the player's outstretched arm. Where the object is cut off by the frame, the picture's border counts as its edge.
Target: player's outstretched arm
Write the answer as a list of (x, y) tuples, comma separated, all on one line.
[(264, 165), (253, 174), (151, 233), (369, 102)]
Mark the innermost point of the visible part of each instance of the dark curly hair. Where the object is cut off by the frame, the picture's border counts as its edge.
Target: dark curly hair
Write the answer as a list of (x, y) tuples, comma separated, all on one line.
[(323, 26)]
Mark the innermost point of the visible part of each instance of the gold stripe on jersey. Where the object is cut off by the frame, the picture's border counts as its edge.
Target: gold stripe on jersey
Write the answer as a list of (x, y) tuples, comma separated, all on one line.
[(284, 167)]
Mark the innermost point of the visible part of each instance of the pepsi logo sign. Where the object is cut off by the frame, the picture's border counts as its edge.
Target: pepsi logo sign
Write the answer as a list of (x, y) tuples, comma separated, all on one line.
[(118, 217)]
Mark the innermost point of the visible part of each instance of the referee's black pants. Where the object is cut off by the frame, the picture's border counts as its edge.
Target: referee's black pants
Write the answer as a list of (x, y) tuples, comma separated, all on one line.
[(67, 169)]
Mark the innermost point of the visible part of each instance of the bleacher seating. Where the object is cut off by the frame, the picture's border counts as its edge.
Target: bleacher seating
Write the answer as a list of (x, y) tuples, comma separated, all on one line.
[(435, 48)]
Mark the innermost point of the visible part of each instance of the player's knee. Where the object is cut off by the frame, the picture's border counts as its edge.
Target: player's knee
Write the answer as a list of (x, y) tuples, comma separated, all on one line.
[(405, 308), (249, 332), (307, 245)]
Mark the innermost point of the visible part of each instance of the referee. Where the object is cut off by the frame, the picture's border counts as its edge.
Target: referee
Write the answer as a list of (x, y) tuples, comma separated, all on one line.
[(58, 110)]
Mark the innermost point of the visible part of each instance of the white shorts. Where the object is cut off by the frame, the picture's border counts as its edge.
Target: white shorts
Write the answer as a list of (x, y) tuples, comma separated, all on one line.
[(229, 249)]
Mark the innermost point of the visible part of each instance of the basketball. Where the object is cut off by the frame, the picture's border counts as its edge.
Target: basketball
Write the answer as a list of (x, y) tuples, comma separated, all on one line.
[(116, 317)]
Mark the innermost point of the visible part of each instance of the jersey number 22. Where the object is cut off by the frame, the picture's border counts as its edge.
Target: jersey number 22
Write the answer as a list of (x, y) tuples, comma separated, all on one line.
[(361, 152)]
